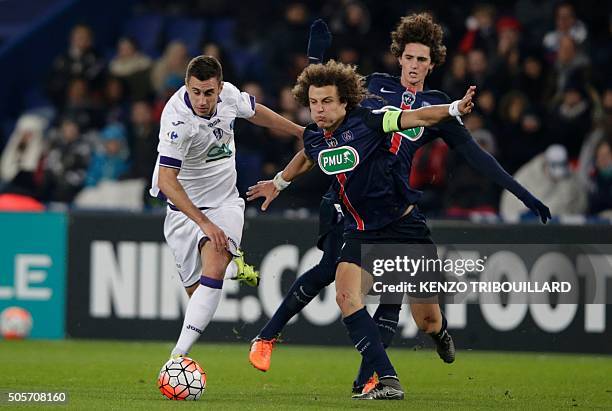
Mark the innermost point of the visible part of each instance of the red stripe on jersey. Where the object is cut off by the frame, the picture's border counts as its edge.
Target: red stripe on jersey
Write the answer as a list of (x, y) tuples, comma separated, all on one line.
[(396, 142), (342, 180)]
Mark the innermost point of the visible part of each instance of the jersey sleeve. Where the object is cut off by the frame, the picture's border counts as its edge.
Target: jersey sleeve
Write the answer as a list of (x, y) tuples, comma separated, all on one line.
[(245, 103), (310, 137), (453, 132), (174, 141), (383, 120)]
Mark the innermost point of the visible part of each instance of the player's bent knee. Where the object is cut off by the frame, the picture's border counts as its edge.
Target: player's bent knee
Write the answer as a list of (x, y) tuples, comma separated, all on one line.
[(348, 302)]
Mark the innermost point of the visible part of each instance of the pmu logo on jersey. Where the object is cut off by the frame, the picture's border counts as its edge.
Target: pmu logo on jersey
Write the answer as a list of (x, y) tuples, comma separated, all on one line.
[(408, 98), (338, 160)]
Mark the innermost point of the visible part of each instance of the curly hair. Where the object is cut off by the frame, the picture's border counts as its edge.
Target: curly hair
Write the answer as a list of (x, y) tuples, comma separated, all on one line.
[(419, 28), (350, 84)]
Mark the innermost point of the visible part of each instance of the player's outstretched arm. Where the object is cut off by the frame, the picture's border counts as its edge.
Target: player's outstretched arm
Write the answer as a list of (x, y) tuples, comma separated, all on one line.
[(265, 117), (485, 163), (270, 189), (168, 183), (429, 116)]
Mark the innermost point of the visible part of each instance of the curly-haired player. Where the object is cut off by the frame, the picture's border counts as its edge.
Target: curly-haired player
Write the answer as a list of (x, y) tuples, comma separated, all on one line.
[(417, 44)]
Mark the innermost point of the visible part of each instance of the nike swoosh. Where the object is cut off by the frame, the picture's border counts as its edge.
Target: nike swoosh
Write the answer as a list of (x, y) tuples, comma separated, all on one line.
[(360, 341), (315, 145), (383, 90)]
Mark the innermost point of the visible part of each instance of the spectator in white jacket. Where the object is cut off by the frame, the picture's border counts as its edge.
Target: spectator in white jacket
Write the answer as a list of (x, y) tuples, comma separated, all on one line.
[(549, 178)]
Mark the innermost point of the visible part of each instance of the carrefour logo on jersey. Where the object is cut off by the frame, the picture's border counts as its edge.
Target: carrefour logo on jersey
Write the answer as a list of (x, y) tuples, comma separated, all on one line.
[(338, 160)]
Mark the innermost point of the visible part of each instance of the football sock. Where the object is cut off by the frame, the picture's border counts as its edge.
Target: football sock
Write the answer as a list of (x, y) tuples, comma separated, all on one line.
[(200, 310), (365, 335), (231, 270), (386, 318), (436, 336), (302, 291)]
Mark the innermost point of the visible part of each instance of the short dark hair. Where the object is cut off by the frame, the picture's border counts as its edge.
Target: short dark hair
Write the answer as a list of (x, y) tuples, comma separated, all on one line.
[(419, 28), (349, 83), (204, 68)]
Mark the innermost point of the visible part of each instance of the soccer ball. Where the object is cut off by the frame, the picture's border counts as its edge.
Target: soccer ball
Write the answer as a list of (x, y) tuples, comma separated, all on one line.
[(182, 379), (15, 323)]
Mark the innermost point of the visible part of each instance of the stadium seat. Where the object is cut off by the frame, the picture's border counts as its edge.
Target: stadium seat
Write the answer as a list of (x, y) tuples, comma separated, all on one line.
[(222, 32), (189, 31), (146, 31)]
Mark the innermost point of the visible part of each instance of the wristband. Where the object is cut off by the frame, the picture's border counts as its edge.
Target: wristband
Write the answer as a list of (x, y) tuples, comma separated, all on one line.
[(453, 109), (279, 183)]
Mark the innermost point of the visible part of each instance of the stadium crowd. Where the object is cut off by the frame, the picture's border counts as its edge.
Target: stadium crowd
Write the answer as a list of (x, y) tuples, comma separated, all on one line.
[(544, 101)]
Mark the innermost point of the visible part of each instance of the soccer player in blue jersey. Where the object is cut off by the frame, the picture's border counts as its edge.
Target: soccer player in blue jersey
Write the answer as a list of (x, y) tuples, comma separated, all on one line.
[(367, 181), (417, 43)]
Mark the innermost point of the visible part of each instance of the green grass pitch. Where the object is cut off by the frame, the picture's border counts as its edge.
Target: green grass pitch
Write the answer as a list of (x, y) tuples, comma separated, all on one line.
[(122, 375)]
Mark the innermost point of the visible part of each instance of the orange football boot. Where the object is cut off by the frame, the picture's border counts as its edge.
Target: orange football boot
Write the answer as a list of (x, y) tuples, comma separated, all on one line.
[(370, 385), (261, 353)]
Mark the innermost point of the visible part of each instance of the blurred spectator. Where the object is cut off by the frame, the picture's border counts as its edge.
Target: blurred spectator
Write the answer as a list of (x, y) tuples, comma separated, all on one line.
[(568, 64), (289, 36), (534, 16), (66, 163), (24, 149), (520, 133), (110, 161), (81, 60), (600, 199), (172, 64), (603, 129), (133, 68), (171, 86), (486, 104), (455, 82), (533, 78), (480, 30), (116, 105), (566, 24), (429, 174), (469, 191), (549, 178), (570, 119), (506, 62), (478, 68), (215, 50), (352, 36), (143, 136), (80, 105)]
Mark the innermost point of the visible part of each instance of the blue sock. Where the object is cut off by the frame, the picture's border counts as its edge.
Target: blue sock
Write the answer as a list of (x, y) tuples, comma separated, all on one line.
[(303, 290), (366, 338), (386, 318), (437, 336)]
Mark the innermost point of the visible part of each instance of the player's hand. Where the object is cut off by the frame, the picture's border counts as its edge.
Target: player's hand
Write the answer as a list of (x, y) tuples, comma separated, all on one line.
[(215, 234), (319, 40), (265, 189), (537, 207), (466, 104)]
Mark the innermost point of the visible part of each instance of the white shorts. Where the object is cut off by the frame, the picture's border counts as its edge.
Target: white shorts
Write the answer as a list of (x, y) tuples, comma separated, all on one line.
[(183, 236)]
